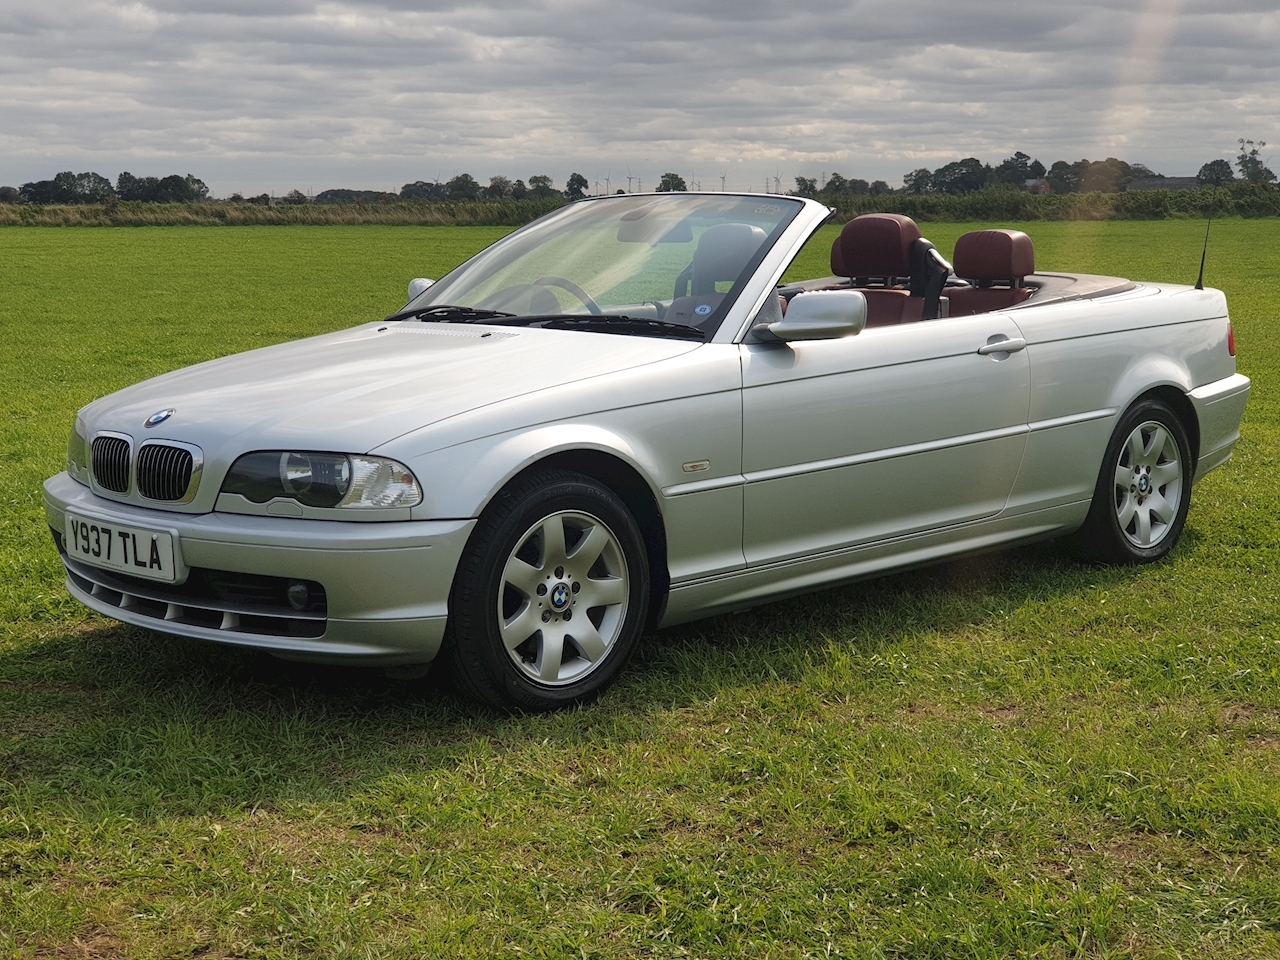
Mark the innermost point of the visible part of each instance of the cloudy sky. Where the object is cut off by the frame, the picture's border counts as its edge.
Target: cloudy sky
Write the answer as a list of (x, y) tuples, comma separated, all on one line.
[(256, 95)]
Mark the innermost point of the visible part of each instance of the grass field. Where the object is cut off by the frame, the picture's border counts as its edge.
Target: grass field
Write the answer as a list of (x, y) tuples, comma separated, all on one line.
[(1009, 756)]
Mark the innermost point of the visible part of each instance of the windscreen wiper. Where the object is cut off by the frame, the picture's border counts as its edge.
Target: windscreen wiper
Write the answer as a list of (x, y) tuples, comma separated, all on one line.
[(448, 313), (627, 326)]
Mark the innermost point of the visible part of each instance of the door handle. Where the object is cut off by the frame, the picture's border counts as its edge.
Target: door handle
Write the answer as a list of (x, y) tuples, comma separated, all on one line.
[(1005, 345)]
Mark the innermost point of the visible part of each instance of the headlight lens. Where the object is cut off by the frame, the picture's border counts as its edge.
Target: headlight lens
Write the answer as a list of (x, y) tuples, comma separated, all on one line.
[(78, 452), (323, 479)]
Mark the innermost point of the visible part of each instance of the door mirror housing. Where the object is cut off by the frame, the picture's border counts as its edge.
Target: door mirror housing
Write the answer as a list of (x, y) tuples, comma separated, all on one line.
[(417, 285), (818, 315)]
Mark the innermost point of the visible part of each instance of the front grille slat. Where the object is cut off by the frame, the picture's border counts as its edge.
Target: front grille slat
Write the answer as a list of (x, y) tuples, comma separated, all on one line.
[(110, 457), (164, 471)]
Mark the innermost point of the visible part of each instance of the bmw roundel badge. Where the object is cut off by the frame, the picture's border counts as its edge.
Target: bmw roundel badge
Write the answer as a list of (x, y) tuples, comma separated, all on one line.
[(159, 417), (703, 309)]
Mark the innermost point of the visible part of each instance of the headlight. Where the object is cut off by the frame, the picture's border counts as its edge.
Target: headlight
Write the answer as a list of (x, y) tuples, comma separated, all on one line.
[(78, 453), (323, 479)]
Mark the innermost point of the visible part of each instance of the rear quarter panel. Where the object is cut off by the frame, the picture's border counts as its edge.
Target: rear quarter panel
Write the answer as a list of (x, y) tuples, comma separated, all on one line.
[(1090, 359)]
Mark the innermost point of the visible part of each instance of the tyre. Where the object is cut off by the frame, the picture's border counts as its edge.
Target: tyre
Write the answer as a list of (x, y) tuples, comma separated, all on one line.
[(550, 595), (1144, 488)]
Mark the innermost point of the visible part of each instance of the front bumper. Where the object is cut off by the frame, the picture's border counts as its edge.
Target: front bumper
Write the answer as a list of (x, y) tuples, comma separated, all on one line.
[(387, 584)]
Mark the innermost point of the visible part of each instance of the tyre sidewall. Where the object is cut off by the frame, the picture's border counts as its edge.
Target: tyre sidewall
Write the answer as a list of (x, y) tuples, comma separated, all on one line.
[(476, 647)]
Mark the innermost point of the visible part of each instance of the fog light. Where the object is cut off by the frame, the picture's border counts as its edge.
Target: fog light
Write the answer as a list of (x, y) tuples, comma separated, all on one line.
[(299, 595)]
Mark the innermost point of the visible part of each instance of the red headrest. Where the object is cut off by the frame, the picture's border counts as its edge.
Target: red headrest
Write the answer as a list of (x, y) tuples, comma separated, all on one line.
[(994, 255), (875, 245)]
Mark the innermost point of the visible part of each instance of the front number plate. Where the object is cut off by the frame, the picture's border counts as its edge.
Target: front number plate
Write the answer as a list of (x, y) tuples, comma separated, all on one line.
[(117, 546)]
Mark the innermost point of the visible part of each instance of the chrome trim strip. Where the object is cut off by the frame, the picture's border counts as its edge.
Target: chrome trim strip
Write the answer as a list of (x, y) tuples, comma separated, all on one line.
[(890, 453), (1074, 418), (700, 486)]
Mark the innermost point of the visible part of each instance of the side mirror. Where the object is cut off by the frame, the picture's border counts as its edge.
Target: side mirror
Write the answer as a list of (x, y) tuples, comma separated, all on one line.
[(818, 315), (418, 285)]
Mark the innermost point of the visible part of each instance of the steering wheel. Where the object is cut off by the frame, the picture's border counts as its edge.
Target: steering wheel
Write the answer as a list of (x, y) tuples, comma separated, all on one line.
[(573, 288)]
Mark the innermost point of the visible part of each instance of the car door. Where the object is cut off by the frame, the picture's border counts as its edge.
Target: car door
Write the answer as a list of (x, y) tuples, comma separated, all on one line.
[(898, 430)]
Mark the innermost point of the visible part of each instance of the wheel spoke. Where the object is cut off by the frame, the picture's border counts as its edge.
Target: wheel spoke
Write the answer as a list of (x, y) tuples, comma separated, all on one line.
[(1160, 507), (1165, 473), (588, 640), (1134, 445), (520, 627), (553, 551), (1154, 446), (1126, 511), (523, 576), (1124, 477), (602, 593), (1144, 525), (550, 653), (589, 548)]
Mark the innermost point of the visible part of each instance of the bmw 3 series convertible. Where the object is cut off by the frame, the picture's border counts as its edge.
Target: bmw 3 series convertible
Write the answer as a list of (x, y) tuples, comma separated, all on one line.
[(619, 418)]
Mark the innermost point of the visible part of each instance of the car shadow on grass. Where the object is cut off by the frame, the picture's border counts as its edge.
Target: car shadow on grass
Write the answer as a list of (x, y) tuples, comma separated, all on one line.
[(148, 725)]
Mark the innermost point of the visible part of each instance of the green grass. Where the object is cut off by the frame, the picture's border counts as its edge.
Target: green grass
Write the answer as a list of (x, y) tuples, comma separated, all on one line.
[(1013, 755)]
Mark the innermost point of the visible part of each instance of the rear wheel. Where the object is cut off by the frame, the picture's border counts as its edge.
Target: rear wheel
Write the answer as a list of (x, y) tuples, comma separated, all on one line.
[(1143, 492), (550, 595)]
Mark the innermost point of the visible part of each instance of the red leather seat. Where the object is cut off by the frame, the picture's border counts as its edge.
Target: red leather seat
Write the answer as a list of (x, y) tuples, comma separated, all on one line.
[(996, 262), (874, 251)]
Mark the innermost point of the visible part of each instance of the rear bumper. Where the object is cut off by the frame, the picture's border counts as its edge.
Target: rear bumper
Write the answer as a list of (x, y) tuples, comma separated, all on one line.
[(387, 584), (1219, 408)]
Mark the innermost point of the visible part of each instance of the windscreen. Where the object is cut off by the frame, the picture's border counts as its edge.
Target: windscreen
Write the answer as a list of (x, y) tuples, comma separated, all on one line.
[(679, 258)]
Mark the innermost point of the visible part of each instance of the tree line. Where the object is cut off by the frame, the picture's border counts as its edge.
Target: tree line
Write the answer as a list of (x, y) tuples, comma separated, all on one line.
[(1021, 171), (77, 188)]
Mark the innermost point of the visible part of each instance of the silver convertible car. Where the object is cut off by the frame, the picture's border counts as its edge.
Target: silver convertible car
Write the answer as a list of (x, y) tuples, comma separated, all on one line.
[(620, 417)]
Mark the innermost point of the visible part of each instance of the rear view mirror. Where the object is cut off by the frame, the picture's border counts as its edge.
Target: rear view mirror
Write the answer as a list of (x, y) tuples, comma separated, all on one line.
[(416, 286), (818, 315)]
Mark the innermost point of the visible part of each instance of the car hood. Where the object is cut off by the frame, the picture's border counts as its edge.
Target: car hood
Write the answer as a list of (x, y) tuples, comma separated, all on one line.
[(355, 390)]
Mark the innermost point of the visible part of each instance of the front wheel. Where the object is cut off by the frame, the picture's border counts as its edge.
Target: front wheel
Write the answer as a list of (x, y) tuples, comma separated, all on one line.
[(550, 596), (1143, 492)]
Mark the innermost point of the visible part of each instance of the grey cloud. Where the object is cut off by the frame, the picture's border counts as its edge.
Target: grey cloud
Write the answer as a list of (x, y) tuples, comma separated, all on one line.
[(256, 96)]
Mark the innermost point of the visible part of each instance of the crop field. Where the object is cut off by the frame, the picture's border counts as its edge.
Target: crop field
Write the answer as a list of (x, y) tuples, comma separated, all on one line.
[(1013, 755)]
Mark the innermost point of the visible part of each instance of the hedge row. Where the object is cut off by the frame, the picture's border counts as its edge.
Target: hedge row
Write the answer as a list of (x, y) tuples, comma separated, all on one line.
[(991, 204)]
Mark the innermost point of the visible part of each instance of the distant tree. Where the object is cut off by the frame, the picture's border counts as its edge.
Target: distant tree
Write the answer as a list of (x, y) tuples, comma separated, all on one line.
[(294, 198), (462, 187), (129, 187), (422, 190), (498, 187), (576, 187), (174, 189), (1017, 170), (960, 176), (540, 187), (37, 191), (342, 195), (806, 186), (261, 200), (878, 188), (519, 191), (671, 183), (918, 181), (1066, 177), (9, 195), (1215, 173), (835, 184), (235, 198), (199, 191), (1251, 165)]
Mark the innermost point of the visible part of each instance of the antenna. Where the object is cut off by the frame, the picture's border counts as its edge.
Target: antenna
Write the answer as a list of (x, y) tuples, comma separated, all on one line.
[(1204, 253)]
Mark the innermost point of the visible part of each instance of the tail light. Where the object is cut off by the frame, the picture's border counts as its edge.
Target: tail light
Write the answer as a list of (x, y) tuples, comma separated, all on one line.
[(1231, 339)]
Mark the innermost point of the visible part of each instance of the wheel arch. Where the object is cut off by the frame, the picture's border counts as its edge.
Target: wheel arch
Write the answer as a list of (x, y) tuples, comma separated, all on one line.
[(1174, 397), (630, 486)]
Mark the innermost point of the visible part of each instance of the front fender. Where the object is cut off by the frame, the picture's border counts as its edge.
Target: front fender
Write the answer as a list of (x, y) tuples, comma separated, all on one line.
[(459, 481)]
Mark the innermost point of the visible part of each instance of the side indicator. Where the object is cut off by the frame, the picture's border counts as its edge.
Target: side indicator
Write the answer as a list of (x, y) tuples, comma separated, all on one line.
[(1231, 339), (696, 466)]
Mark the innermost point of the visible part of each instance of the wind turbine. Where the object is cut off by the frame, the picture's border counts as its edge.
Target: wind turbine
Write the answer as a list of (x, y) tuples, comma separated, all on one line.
[(722, 176), (629, 178), (606, 179)]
